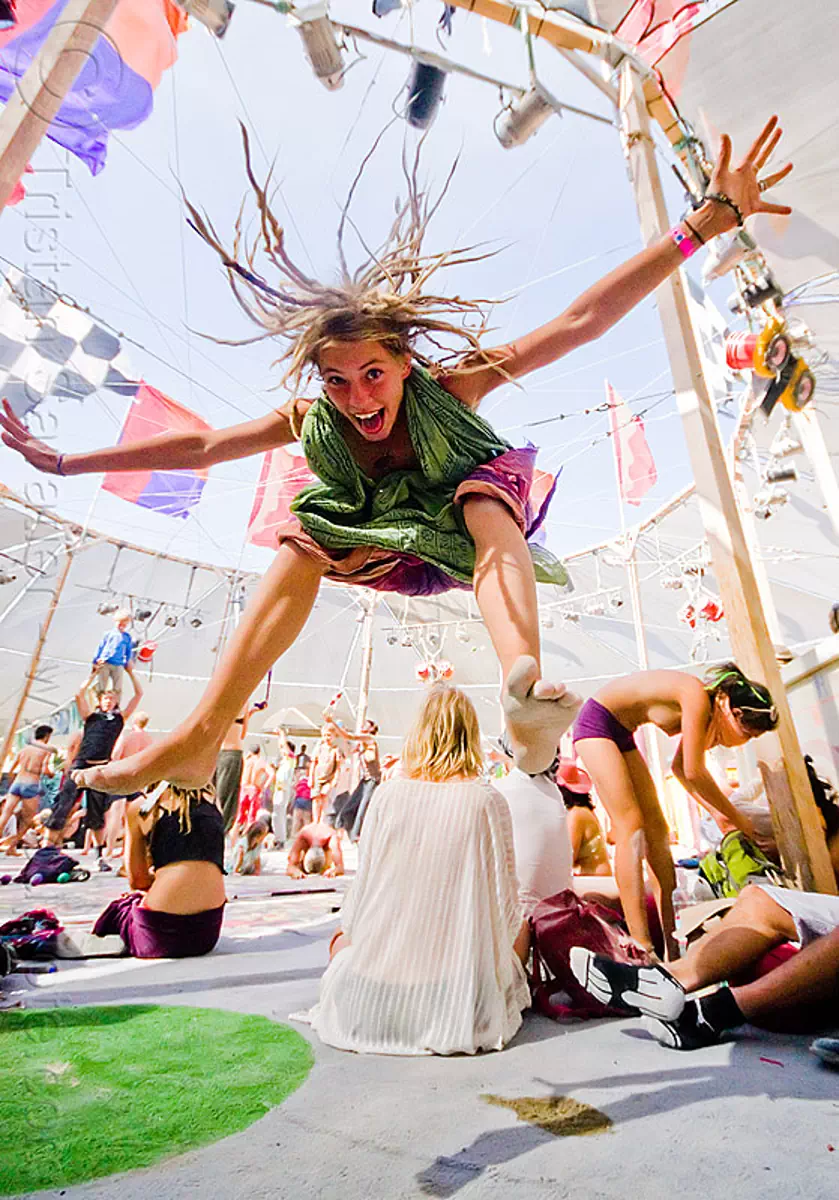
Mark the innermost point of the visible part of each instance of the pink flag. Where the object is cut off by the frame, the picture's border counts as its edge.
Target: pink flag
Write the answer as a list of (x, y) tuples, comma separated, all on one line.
[(636, 467), (283, 475)]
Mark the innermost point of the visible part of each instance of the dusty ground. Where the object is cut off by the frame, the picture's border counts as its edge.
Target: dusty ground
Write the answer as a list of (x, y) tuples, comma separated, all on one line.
[(753, 1119)]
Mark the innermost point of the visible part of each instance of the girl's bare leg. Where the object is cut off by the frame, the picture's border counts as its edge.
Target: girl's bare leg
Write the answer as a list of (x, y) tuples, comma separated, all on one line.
[(114, 822), (658, 853), (749, 930), (801, 995), (609, 772), (271, 623), (537, 713)]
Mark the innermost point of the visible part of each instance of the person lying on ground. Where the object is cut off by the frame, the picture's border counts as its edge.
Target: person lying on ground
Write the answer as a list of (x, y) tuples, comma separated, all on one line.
[(799, 996), (415, 492), (31, 763), (429, 956), (540, 832), (316, 850), (247, 859), (103, 723), (174, 857), (729, 710)]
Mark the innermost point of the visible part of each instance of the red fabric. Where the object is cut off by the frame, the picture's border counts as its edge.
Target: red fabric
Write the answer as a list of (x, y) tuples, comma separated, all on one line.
[(775, 958), (635, 463), (248, 805), (150, 415), (558, 924), (282, 476)]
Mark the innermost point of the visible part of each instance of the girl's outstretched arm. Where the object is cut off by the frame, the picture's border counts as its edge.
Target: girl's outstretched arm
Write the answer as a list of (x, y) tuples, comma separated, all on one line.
[(170, 451), (609, 300)]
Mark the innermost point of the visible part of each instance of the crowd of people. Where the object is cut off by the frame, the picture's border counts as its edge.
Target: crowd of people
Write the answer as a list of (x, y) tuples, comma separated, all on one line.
[(417, 494), (435, 930)]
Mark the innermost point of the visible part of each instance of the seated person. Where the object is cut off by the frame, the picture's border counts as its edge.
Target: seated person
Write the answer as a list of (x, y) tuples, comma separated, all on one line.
[(247, 859), (426, 961), (174, 855), (540, 833), (799, 996), (316, 851), (588, 845), (792, 998)]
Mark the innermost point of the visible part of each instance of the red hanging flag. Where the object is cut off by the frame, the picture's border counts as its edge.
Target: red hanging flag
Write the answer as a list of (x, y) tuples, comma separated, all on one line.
[(173, 493), (283, 475), (635, 463)]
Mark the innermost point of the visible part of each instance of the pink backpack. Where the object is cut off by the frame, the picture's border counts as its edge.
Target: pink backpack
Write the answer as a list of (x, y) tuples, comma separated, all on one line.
[(557, 924)]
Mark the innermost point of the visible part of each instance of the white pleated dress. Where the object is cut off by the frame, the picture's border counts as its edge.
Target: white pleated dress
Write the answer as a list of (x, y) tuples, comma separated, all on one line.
[(431, 917)]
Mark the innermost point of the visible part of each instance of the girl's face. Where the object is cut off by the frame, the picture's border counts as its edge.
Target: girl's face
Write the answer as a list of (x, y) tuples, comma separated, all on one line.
[(728, 730), (365, 381)]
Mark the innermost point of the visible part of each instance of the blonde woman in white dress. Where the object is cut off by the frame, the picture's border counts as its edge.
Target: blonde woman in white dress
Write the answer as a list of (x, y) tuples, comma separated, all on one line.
[(429, 957)]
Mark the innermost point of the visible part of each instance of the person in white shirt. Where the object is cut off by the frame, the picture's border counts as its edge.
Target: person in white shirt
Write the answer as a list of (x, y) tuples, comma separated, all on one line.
[(540, 834)]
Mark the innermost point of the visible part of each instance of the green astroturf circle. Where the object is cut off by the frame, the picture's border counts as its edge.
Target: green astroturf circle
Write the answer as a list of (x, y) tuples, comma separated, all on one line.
[(86, 1092)]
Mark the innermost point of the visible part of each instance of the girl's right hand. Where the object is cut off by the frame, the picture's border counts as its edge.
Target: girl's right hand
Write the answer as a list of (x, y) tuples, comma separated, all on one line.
[(15, 434)]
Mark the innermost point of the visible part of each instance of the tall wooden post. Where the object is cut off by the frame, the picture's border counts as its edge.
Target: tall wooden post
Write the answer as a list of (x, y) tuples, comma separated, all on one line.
[(40, 93), (35, 660), (806, 425), (795, 817), (366, 663)]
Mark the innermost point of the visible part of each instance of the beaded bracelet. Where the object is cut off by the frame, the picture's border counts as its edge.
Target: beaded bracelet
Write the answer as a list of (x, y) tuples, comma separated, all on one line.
[(59, 465), (721, 198), (683, 242)]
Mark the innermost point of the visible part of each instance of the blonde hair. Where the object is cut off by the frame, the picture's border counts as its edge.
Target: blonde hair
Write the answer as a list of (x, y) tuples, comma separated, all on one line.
[(382, 300), (445, 739)]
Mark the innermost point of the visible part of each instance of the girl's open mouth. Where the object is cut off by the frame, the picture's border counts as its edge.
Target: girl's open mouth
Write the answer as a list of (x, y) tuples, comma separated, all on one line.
[(370, 423)]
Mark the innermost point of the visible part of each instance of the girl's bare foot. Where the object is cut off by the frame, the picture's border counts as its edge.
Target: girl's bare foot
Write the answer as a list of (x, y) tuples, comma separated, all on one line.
[(537, 714), (185, 757)]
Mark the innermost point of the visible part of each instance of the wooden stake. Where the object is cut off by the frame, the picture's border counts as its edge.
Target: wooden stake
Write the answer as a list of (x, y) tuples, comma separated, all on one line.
[(35, 660), (41, 92), (795, 816), (366, 663), (806, 425)]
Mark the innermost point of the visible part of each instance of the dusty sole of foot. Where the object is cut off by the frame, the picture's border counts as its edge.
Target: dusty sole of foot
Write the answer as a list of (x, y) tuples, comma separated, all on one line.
[(175, 761), (537, 714)]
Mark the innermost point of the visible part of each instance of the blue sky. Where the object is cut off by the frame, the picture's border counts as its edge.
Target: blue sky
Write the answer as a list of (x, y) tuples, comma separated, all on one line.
[(559, 209)]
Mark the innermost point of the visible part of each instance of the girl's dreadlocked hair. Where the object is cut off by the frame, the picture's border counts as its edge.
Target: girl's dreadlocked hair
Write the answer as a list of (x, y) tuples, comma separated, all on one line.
[(756, 710), (383, 300)]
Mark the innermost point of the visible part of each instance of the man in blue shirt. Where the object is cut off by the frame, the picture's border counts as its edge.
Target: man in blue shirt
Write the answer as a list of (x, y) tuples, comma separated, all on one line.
[(114, 656)]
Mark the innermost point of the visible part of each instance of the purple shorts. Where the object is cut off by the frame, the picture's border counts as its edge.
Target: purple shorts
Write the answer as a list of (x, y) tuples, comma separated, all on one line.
[(151, 934), (595, 721)]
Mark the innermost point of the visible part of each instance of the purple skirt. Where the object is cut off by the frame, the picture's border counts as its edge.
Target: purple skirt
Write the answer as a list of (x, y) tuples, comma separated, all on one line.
[(595, 721), (151, 934)]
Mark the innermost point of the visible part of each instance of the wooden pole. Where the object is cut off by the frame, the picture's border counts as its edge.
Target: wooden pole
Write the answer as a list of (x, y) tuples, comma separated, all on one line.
[(806, 424), (366, 663), (35, 660), (40, 93), (796, 819)]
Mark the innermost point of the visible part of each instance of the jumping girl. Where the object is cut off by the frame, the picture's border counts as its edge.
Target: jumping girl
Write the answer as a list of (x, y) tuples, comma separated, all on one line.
[(728, 710), (417, 493)]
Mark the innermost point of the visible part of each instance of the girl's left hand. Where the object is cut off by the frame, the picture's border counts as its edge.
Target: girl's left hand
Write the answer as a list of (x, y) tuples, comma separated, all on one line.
[(741, 183)]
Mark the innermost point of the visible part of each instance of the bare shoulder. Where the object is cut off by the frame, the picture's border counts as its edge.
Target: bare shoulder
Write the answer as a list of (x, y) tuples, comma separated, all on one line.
[(477, 374)]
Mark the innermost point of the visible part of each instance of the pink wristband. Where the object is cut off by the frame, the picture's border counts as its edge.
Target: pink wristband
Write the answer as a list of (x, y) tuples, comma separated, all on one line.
[(683, 241)]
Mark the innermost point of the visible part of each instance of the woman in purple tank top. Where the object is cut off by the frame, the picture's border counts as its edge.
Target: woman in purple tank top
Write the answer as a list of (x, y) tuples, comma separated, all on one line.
[(728, 710)]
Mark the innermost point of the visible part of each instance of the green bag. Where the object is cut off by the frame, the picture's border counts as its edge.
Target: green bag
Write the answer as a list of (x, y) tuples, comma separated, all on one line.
[(737, 862)]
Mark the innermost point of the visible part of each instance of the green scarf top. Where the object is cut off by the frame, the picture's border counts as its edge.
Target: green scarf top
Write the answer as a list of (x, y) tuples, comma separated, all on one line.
[(408, 511)]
